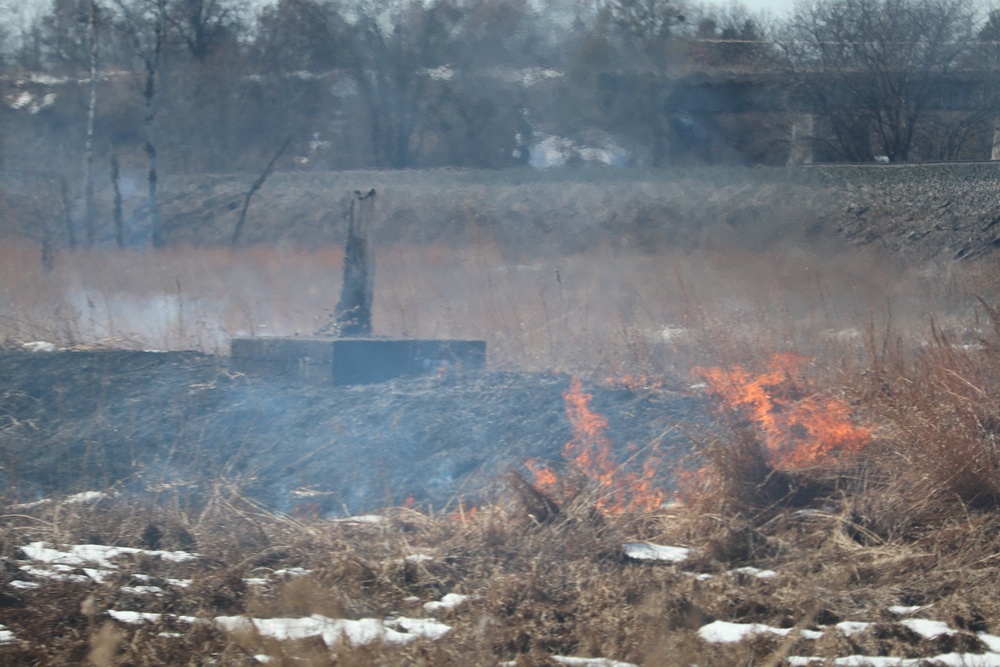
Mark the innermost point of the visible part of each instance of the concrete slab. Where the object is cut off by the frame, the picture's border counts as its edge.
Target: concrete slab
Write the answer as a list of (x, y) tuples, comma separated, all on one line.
[(345, 361)]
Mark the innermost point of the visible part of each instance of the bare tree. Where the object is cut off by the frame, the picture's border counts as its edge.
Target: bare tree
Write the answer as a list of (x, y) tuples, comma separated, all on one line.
[(731, 37), (872, 68), (392, 67), (145, 23), (649, 23), (254, 187), (301, 35), (116, 186), (638, 41), (201, 24), (88, 168)]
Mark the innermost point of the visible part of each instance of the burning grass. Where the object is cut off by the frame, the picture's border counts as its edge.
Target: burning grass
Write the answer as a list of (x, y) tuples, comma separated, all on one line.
[(229, 581), (590, 456), (843, 502)]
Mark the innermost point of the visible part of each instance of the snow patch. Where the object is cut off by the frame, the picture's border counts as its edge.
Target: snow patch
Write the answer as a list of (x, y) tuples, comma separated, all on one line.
[(900, 610), (646, 551), (61, 573), (928, 629), (850, 628), (39, 346), (428, 628), (98, 554), (418, 558), (756, 572), (590, 662), (142, 590), (141, 617), (331, 630), (449, 601), (725, 632)]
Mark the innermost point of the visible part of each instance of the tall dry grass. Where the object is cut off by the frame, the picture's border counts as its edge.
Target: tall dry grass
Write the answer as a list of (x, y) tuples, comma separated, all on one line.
[(612, 312), (920, 374), (911, 520)]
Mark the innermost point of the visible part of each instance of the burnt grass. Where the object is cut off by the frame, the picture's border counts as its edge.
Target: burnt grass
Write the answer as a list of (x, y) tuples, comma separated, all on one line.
[(142, 421), (254, 473)]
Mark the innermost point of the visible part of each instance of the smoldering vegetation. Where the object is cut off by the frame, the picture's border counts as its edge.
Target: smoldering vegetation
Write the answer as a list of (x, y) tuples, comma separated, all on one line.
[(730, 416), (148, 423), (797, 545)]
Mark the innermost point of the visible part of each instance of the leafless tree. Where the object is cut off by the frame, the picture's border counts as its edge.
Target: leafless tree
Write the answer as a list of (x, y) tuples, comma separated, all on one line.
[(116, 187), (145, 23), (301, 35), (391, 65), (872, 68), (88, 169), (640, 43), (650, 23), (201, 24)]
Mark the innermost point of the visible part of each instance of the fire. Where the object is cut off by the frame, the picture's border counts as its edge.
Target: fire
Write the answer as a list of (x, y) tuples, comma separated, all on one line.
[(463, 514), (799, 427), (590, 452), (543, 477)]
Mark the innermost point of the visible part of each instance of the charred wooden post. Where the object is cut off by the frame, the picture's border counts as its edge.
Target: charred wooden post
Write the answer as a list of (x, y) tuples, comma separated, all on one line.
[(353, 314)]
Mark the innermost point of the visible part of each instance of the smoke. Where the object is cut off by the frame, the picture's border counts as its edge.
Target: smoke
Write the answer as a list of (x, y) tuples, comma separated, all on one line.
[(157, 321)]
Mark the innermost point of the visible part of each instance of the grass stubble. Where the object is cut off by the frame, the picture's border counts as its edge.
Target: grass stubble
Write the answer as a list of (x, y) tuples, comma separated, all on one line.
[(910, 519)]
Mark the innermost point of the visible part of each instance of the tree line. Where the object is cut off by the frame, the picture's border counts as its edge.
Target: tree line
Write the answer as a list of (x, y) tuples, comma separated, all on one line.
[(193, 86)]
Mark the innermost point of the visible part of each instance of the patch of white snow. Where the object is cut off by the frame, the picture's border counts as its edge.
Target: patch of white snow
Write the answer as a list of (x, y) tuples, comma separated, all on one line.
[(928, 629), (332, 630), (850, 628), (428, 628), (756, 572), (39, 346), (900, 610), (449, 601), (590, 662), (645, 551)]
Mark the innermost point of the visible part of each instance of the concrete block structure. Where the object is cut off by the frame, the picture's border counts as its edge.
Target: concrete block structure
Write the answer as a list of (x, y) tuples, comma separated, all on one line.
[(347, 361)]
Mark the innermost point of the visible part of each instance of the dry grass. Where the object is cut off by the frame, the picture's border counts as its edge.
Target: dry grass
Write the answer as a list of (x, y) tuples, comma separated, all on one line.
[(910, 520), (607, 312), (561, 586)]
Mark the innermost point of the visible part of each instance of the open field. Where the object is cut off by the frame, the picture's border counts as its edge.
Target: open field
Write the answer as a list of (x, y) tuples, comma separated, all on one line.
[(797, 404)]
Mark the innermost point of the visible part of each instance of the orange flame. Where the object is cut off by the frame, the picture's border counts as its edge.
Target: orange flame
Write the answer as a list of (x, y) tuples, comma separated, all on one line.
[(543, 477), (590, 452), (463, 515), (799, 427)]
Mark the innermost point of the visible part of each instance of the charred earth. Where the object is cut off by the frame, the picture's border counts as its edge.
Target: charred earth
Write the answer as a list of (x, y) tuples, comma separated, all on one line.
[(181, 421)]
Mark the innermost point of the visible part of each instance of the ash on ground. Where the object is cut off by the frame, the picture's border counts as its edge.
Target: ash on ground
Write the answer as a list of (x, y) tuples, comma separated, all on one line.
[(181, 422)]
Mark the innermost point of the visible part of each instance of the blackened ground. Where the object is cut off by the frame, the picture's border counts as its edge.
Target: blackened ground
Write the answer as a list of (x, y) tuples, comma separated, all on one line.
[(180, 422)]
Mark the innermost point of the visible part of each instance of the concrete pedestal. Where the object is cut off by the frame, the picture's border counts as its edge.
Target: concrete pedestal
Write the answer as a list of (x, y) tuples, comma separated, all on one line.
[(345, 361)]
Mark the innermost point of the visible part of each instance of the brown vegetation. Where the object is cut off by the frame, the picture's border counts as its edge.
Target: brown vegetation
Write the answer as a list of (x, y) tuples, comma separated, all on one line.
[(908, 517)]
